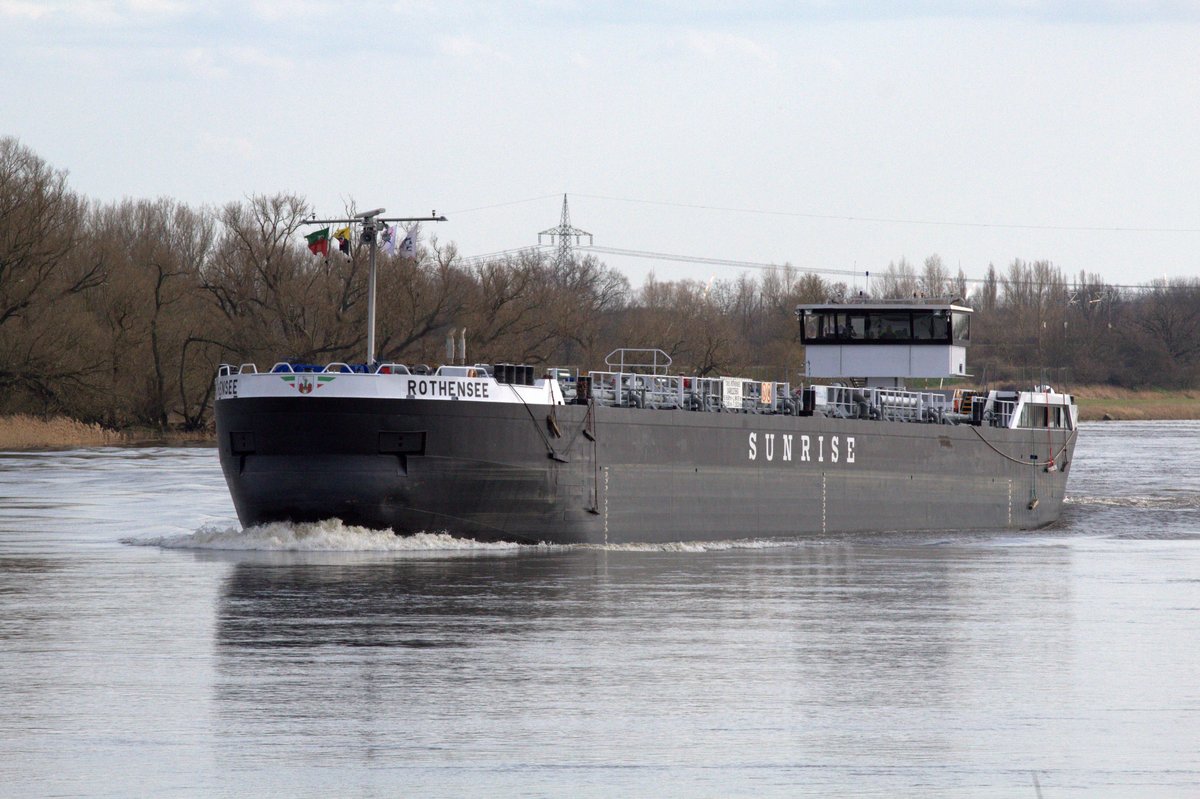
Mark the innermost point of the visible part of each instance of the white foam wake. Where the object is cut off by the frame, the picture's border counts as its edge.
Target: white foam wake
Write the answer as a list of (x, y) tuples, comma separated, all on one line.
[(330, 535)]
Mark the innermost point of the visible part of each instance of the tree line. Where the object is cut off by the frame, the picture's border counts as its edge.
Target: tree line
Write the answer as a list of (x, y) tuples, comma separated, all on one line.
[(119, 313), (1032, 319)]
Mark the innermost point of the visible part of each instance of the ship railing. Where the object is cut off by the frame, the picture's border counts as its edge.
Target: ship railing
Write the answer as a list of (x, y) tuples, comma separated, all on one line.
[(887, 404), (631, 359), (336, 367), (633, 389), (665, 392), (998, 413), (341, 367)]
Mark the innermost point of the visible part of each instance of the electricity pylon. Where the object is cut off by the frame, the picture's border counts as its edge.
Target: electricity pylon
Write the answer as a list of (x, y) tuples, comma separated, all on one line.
[(565, 236)]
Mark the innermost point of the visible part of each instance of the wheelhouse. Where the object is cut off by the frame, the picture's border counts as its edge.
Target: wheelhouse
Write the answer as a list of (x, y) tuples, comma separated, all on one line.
[(886, 340), (885, 325)]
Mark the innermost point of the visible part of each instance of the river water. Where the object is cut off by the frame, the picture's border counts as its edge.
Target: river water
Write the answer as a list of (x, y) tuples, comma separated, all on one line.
[(149, 646)]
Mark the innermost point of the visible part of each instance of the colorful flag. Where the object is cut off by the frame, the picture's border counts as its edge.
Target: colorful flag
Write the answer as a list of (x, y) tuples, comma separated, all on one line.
[(389, 240), (318, 242), (343, 237)]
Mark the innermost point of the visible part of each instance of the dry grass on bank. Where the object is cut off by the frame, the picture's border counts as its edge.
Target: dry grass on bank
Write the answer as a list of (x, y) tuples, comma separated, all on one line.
[(31, 432), (22, 432), (1110, 402)]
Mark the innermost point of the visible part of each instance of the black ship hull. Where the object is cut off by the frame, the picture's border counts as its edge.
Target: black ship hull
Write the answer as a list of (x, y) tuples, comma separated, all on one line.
[(602, 474)]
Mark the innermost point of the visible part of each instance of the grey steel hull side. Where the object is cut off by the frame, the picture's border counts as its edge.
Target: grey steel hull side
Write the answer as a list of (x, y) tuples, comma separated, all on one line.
[(499, 471)]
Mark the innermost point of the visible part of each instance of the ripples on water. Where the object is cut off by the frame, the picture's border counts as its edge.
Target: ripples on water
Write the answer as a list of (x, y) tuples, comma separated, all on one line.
[(151, 646)]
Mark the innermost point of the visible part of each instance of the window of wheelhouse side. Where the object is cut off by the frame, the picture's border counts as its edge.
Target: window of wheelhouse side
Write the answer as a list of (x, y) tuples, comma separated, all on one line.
[(941, 326), (826, 327), (829, 325), (1038, 415), (812, 326), (931, 326), (1033, 415), (962, 326)]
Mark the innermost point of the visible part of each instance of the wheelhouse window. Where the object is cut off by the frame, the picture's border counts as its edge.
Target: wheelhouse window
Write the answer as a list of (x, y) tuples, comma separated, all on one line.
[(812, 326), (1040, 415), (857, 326), (962, 326), (931, 326), (885, 325), (891, 326)]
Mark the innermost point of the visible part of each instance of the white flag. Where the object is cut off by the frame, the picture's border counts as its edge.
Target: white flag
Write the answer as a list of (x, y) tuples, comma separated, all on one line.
[(389, 240), (408, 247)]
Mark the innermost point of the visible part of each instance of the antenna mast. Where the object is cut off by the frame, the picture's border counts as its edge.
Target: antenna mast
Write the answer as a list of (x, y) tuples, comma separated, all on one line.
[(370, 228)]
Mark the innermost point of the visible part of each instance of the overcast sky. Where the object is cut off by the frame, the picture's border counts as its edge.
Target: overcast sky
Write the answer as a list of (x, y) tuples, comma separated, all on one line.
[(825, 134)]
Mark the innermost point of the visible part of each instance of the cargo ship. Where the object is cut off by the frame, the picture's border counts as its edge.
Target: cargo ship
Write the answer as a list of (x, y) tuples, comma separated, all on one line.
[(635, 452)]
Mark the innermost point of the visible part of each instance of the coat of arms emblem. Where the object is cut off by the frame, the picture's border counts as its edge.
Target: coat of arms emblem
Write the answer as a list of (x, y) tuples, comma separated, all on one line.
[(307, 383)]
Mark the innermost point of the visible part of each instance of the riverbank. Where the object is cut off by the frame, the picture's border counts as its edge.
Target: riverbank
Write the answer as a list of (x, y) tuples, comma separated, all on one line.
[(1100, 403), (20, 432)]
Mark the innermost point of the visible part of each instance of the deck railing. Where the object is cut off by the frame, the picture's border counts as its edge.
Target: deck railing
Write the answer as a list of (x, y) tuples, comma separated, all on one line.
[(738, 395), (889, 404), (632, 389)]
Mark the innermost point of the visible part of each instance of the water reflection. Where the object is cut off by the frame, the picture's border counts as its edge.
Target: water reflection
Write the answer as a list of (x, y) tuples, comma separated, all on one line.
[(22, 581), (625, 653), (407, 602)]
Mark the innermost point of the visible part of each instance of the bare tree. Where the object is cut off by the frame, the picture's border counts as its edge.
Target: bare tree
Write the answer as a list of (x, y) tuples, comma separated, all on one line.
[(935, 278), (1170, 314), (899, 280), (508, 309), (40, 225), (418, 300)]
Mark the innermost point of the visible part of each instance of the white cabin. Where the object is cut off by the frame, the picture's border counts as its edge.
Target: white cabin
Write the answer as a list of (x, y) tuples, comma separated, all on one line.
[(886, 340)]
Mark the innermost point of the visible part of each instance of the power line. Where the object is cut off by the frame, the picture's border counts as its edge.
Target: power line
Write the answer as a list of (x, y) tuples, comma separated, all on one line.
[(898, 220), (470, 259), (565, 235), (660, 256), (697, 259), (502, 205), (820, 270)]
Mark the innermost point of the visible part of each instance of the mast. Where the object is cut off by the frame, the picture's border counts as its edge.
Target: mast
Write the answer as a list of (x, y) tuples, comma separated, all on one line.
[(370, 221)]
